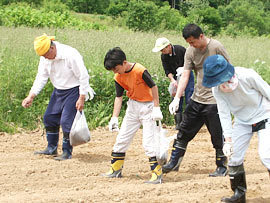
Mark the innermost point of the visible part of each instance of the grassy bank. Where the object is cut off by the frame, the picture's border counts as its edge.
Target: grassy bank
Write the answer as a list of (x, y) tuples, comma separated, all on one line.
[(18, 67)]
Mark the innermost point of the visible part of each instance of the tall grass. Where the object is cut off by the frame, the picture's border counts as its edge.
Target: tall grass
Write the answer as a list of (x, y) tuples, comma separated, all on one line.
[(18, 67)]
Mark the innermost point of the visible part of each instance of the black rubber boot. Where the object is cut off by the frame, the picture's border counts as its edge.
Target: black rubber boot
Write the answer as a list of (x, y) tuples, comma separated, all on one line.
[(221, 161), (52, 135), (238, 185), (178, 119), (66, 147), (178, 151)]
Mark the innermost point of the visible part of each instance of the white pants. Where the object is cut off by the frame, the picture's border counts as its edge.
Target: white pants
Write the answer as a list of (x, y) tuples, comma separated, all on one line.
[(137, 114), (241, 138)]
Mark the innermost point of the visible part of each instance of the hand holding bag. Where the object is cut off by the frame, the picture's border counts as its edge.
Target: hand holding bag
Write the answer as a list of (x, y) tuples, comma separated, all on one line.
[(162, 143), (79, 133)]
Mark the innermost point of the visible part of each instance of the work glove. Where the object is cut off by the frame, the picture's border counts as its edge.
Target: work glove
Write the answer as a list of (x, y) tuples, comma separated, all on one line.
[(156, 114), (113, 124), (91, 93), (174, 105), (228, 149)]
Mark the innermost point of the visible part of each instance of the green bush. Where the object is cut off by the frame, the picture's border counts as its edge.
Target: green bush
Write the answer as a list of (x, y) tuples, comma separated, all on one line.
[(209, 18), (263, 69), (54, 5), (22, 14), (117, 7), (30, 2), (142, 16), (88, 6), (169, 19), (246, 16)]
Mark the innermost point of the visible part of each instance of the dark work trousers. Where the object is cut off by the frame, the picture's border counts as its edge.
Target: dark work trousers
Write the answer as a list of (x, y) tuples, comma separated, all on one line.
[(62, 109), (188, 92), (197, 114)]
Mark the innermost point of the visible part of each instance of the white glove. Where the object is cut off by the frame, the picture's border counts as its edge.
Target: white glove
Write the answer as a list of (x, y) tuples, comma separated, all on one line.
[(156, 114), (228, 149), (113, 124), (90, 95), (174, 105)]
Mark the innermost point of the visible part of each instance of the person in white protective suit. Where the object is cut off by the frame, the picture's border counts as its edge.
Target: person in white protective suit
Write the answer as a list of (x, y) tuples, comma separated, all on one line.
[(244, 94)]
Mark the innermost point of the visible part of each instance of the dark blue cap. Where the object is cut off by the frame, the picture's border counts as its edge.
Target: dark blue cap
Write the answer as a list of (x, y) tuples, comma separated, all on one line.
[(216, 70)]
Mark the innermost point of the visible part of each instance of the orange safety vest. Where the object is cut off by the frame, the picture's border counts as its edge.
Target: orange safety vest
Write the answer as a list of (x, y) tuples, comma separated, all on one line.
[(134, 84)]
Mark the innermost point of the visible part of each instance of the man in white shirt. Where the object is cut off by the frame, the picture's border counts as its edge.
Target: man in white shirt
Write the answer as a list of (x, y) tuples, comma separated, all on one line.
[(243, 93), (65, 67)]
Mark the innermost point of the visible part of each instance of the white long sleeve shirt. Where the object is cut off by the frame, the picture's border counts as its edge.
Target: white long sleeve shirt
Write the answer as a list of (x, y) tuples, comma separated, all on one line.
[(66, 71), (249, 102)]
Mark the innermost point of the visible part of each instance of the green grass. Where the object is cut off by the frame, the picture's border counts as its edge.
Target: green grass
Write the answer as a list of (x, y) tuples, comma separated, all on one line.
[(18, 66)]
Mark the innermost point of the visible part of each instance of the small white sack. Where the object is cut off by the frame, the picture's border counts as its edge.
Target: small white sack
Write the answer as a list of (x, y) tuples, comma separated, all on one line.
[(172, 90), (79, 133), (162, 143)]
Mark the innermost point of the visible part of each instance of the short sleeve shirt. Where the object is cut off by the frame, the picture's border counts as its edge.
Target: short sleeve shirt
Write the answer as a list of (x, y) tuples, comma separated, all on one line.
[(194, 59)]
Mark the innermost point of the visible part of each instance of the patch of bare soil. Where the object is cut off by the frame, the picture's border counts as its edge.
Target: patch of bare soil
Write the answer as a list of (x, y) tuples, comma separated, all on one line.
[(26, 177)]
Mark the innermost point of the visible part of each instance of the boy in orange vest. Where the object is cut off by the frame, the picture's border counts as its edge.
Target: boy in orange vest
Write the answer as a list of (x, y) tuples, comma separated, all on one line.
[(143, 109)]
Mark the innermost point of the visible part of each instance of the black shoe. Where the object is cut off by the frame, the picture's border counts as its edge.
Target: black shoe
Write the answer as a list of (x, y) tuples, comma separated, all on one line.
[(177, 126), (172, 165), (47, 151), (220, 171), (63, 157), (238, 197)]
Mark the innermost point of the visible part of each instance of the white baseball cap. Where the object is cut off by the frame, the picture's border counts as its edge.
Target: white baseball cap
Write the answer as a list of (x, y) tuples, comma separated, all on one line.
[(161, 43)]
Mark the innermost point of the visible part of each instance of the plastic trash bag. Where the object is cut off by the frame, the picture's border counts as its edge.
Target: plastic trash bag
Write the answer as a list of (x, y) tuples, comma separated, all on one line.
[(79, 133), (162, 143), (172, 90)]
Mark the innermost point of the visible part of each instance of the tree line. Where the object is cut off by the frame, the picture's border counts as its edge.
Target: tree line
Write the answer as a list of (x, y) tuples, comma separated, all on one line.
[(230, 17)]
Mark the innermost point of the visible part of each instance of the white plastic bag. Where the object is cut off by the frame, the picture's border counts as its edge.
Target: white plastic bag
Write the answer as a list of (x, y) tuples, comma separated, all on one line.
[(172, 90), (79, 133), (162, 143)]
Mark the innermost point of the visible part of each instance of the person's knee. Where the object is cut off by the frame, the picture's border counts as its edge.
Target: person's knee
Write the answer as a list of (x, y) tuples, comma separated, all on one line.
[(48, 120)]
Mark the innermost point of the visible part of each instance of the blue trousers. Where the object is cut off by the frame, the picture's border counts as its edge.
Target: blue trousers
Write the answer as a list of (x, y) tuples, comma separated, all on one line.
[(188, 92), (61, 109)]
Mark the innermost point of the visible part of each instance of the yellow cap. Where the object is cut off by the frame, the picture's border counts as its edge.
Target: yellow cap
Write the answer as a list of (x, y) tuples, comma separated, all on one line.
[(42, 44)]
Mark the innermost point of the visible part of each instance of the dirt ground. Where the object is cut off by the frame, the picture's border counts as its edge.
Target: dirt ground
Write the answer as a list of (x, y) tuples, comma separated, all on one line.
[(26, 177)]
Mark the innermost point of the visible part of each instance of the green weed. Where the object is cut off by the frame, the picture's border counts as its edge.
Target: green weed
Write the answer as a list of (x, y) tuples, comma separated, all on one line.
[(18, 67)]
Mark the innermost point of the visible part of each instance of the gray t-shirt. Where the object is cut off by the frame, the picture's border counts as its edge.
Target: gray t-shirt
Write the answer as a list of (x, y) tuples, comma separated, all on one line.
[(194, 59)]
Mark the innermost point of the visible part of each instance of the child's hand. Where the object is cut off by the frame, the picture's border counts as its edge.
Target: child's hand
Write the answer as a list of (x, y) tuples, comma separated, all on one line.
[(156, 114), (113, 124)]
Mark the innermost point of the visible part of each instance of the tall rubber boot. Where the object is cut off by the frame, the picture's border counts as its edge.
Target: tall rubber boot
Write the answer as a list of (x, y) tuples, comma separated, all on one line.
[(178, 119), (238, 185), (117, 163), (178, 152), (66, 148), (156, 171), (221, 162), (52, 135)]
